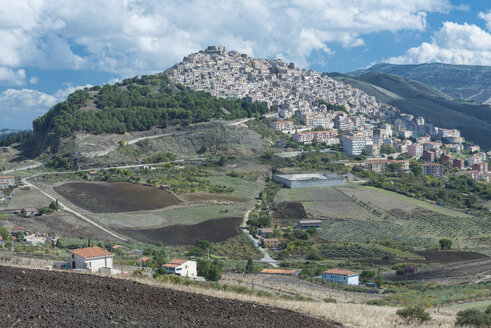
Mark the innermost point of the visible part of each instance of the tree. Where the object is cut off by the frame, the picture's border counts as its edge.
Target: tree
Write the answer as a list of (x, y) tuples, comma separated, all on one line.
[(19, 236), (210, 270), (417, 170), (474, 318), (268, 154), (203, 244), (366, 275), (394, 167), (283, 254), (445, 243), (249, 268), (4, 233), (54, 205), (413, 314)]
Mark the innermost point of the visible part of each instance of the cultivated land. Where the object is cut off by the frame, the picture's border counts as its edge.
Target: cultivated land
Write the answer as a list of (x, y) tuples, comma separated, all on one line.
[(41, 298), (115, 197), (216, 230)]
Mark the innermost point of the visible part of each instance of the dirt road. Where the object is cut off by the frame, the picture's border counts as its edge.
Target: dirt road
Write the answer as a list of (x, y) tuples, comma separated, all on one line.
[(61, 299)]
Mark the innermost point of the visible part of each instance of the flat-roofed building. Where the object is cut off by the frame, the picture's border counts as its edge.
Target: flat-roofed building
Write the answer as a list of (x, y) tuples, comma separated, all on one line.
[(340, 276), (304, 224), (433, 169)]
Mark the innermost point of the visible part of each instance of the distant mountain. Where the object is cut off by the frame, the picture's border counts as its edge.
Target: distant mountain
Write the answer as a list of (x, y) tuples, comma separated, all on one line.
[(466, 82), (4, 133), (412, 97)]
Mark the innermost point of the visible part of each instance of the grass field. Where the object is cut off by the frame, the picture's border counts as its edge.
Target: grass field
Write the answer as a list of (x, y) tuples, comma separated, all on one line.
[(179, 215), (480, 305), (388, 200), (243, 188), (26, 199)]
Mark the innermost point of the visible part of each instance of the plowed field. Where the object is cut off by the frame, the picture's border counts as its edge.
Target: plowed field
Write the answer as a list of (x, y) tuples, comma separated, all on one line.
[(115, 197), (32, 298), (182, 234)]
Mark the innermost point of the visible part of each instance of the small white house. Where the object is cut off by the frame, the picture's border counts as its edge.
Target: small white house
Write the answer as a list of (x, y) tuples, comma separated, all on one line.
[(183, 268), (339, 276), (91, 258)]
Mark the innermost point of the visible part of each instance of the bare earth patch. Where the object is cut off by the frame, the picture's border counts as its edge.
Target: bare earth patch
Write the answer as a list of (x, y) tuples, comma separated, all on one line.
[(115, 197), (216, 230)]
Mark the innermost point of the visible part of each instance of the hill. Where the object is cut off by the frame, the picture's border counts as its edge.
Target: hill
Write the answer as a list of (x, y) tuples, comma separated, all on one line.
[(473, 120), (136, 104), (466, 82)]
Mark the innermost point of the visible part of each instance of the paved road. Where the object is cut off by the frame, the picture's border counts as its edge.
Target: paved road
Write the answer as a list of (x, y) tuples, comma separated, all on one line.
[(266, 258), (32, 166)]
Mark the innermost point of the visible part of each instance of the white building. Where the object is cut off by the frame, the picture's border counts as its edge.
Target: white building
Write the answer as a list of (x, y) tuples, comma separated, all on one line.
[(339, 276), (6, 181), (184, 268), (353, 145), (91, 258)]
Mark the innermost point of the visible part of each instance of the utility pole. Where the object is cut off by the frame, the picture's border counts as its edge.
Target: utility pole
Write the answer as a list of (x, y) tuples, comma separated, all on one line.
[(141, 254), (208, 249)]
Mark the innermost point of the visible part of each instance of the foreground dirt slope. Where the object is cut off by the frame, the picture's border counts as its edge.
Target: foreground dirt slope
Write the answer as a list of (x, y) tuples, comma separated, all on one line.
[(34, 298)]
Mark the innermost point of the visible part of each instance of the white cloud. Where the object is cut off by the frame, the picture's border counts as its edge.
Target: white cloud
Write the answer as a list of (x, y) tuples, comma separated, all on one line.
[(487, 18), (34, 80), (460, 44), (11, 76), (130, 37), (19, 107)]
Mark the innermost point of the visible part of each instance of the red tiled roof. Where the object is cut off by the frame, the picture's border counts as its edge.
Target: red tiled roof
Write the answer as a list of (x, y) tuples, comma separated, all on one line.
[(168, 265), (340, 272), (90, 252), (177, 262)]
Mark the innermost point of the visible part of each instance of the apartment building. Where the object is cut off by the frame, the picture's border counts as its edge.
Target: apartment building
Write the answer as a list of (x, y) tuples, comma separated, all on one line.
[(433, 169)]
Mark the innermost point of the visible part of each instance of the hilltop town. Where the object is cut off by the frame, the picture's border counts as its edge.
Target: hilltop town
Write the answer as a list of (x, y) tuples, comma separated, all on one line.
[(313, 106)]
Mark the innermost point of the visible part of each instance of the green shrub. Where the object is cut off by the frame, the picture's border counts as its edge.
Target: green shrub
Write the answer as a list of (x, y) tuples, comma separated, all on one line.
[(474, 318), (413, 314), (330, 300)]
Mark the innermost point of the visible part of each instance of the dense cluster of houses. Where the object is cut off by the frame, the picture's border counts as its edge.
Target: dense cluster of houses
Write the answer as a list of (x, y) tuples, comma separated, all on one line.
[(364, 126)]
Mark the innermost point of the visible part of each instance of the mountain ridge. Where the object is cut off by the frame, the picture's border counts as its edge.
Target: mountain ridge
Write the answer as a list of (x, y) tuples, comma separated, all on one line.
[(465, 82), (412, 97)]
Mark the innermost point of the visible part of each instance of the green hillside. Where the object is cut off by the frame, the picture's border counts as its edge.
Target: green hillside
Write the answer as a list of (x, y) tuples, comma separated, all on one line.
[(474, 120), (466, 82), (136, 104)]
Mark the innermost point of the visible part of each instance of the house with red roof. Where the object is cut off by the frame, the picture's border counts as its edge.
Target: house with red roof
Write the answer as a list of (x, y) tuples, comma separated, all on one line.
[(94, 259), (340, 276), (183, 268)]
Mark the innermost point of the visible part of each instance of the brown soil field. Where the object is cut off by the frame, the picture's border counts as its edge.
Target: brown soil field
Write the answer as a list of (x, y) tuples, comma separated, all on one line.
[(449, 256), (289, 211), (216, 230), (62, 299), (205, 197), (115, 197)]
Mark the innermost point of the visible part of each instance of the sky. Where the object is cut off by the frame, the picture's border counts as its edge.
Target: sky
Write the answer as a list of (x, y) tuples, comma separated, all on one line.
[(50, 48)]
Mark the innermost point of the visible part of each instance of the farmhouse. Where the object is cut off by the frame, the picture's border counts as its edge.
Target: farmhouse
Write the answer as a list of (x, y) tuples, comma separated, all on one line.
[(271, 243), (304, 224), (339, 276), (278, 272), (7, 181), (94, 259), (307, 180), (184, 268)]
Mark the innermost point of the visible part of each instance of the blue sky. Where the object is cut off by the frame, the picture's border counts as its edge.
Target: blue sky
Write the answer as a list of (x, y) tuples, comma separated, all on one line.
[(49, 48)]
